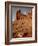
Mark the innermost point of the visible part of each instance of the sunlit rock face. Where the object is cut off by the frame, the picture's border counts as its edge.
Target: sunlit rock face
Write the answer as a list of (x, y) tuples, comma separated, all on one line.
[(22, 25)]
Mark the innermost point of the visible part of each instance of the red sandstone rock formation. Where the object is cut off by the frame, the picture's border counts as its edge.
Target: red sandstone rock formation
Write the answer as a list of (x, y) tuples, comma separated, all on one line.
[(22, 25)]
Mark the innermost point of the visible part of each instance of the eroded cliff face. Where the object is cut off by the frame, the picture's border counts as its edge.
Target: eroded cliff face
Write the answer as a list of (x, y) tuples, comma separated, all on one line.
[(22, 25)]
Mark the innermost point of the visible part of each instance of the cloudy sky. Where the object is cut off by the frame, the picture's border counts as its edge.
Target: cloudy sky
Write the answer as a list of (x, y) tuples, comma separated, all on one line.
[(24, 10)]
